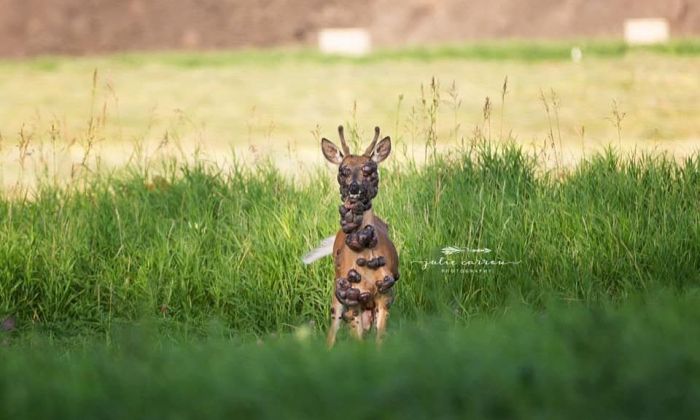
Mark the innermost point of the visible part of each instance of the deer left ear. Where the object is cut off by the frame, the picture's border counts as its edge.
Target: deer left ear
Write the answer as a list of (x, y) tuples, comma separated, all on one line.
[(382, 150)]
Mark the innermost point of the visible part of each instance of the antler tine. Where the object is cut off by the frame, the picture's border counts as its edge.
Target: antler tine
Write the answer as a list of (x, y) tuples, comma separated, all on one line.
[(370, 148), (341, 134)]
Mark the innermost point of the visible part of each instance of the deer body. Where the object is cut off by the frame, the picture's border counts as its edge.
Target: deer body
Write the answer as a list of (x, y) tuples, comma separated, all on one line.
[(365, 260)]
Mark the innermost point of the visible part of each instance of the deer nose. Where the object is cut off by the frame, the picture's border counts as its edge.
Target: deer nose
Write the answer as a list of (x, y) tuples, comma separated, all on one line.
[(354, 188)]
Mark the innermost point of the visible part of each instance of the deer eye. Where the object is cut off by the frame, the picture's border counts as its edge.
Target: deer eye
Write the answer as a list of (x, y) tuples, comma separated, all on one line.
[(344, 171)]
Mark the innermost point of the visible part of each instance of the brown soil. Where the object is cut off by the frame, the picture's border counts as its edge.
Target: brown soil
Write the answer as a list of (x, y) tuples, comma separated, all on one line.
[(31, 27)]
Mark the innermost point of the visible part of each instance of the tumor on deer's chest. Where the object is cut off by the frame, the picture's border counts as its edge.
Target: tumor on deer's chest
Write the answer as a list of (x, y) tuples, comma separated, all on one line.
[(359, 276)]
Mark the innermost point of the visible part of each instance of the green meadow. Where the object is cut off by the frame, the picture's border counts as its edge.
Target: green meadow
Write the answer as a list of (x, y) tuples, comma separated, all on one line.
[(172, 287)]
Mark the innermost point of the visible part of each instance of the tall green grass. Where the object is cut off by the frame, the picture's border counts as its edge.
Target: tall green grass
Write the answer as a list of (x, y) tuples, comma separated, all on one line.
[(199, 243)]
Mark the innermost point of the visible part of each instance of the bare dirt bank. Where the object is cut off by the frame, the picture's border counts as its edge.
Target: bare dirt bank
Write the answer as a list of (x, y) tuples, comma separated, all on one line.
[(31, 27)]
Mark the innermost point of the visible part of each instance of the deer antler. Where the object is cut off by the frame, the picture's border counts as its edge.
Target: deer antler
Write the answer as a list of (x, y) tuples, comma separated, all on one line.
[(370, 148), (341, 134)]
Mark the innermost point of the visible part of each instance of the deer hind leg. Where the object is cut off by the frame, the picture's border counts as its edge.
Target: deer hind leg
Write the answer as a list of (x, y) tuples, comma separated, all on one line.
[(336, 318)]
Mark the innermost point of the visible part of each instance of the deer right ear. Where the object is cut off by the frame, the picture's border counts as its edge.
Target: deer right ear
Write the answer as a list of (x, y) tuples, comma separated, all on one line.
[(331, 151)]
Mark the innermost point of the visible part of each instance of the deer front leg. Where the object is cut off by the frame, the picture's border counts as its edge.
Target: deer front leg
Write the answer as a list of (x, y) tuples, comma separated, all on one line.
[(336, 317), (383, 303), (350, 298), (354, 316)]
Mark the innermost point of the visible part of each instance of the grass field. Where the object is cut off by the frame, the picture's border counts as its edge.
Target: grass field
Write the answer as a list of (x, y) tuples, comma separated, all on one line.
[(274, 102), (172, 287)]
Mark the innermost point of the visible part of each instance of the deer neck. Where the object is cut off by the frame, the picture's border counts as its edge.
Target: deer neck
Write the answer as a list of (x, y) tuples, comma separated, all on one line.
[(359, 227), (355, 215), (368, 217)]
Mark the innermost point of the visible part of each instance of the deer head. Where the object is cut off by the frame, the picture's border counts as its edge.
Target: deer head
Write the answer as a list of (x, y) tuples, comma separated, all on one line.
[(358, 177)]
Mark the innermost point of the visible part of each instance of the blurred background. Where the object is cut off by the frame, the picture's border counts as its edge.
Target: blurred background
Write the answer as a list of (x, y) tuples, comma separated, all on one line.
[(88, 82), (30, 27)]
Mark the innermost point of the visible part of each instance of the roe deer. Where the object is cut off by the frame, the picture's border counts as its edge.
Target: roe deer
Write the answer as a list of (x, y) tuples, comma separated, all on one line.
[(365, 260)]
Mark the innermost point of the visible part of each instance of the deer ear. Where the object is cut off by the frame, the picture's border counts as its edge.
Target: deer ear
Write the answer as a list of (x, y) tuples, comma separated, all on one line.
[(331, 151), (382, 150)]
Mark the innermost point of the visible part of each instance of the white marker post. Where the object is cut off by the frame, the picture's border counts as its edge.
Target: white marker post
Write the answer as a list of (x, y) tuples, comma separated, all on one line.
[(344, 41), (646, 31)]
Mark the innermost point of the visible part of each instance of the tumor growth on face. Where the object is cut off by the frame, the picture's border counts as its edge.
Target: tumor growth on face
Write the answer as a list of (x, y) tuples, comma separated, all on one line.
[(362, 194)]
